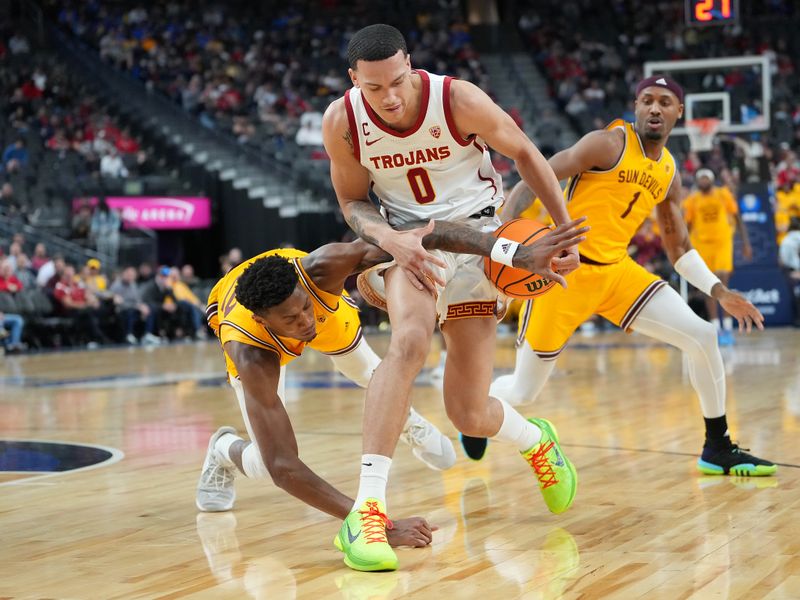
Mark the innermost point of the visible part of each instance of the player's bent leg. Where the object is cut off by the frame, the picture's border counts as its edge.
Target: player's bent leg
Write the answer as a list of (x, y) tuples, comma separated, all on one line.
[(427, 443), (523, 385), (528, 379), (466, 382), (359, 364), (412, 313), (666, 317)]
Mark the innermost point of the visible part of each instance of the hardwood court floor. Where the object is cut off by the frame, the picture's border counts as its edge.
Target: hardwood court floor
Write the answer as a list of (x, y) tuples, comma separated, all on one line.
[(644, 523)]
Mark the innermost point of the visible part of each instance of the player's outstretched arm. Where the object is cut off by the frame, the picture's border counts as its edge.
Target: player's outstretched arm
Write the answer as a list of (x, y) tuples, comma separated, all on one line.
[(351, 183), (259, 371), (596, 150), (690, 265), (536, 258)]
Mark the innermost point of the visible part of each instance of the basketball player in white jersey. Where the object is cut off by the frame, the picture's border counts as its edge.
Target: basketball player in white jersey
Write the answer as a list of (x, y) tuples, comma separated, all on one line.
[(418, 142)]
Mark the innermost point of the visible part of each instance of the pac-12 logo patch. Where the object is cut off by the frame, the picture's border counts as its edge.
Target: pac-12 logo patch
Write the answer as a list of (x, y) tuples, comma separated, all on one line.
[(435, 131)]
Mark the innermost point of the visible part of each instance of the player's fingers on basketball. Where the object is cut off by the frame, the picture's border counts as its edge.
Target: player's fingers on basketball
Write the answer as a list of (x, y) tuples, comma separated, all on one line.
[(553, 276)]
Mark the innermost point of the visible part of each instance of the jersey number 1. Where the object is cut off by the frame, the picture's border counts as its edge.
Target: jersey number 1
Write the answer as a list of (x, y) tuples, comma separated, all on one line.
[(421, 186), (630, 206)]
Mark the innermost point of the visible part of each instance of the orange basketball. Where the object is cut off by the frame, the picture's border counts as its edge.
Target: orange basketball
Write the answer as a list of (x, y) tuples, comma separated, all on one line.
[(513, 282)]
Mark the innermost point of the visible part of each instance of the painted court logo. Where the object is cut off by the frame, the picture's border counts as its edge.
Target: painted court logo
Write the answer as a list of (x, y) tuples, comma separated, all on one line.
[(30, 459)]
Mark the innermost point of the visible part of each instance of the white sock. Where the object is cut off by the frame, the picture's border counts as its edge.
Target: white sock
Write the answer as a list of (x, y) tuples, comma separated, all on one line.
[(716, 324), (374, 476), (517, 430), (223, 448), (727, 323)]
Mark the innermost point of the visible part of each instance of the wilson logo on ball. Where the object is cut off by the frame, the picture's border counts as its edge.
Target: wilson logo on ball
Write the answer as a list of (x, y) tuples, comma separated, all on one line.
[(536, 286)]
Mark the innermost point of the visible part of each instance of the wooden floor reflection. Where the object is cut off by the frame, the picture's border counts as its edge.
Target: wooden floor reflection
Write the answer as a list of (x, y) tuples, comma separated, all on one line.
[(644, 524)]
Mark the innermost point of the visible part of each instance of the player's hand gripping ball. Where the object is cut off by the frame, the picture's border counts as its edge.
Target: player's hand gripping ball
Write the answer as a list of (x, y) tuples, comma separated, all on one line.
[(513, 282)]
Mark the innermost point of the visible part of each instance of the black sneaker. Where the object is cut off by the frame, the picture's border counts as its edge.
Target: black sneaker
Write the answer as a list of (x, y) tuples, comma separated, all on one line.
[(732, 460), (474, 447)]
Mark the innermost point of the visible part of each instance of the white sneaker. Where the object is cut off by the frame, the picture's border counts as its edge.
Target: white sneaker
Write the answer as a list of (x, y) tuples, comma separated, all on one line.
[(215, 491), (131, 339), (151, 340), (427, 443)]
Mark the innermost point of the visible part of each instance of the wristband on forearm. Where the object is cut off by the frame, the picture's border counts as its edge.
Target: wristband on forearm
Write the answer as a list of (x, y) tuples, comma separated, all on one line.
[(693, 269), (503, 251)]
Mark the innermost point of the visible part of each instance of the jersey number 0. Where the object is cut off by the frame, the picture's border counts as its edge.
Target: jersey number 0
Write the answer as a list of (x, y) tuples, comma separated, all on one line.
[(421, 186)]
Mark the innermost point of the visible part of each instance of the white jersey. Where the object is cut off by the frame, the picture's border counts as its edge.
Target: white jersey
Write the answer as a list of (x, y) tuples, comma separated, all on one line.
[(428, 171)]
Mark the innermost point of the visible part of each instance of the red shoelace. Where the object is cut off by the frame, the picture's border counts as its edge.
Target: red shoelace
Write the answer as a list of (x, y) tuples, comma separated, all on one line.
[(374, 523), (544, 470)]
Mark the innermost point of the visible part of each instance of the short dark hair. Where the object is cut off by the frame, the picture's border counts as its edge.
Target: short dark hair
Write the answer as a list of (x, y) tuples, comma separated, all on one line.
[(266, 283), (375, 42)]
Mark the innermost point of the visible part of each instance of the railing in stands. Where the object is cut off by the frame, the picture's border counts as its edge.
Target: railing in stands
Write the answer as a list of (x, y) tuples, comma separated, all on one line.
[(71, 251)]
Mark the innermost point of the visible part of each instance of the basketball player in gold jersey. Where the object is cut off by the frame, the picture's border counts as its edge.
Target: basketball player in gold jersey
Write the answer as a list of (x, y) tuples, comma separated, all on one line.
[(617, 176), (265, 312), (711, 212)]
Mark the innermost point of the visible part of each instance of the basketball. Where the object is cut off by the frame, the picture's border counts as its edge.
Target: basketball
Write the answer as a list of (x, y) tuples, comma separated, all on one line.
[(513, 282)]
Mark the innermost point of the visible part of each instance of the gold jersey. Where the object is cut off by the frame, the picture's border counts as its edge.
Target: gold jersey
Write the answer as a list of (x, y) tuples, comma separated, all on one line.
[(618, 200), (710, 215), (338, 325)]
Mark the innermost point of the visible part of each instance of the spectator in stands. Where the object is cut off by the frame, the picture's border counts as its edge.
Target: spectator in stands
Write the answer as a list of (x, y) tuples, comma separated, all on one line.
[(193, 310), (15, 156), (126, 143), (132, 309), (94, 279), (162, 302), (77, 302), (145, 273), (18, 44), (790, 261), (646, 249), (9, 283), (11, 327), (10, 204), (39, 257), (14, 252), (111, 165), (235, 257), (82, 223), (787, 201), (24, 272), (104, 230), (50, 272), (188, 276)]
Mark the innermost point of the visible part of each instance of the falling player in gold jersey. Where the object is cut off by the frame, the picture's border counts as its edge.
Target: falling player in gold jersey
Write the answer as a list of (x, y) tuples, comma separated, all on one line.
[(266, 312), (618, 175)]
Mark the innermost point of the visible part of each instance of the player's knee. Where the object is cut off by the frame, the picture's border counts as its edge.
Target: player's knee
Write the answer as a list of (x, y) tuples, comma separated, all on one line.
[(466, 420), (706, 334), (410, 345)]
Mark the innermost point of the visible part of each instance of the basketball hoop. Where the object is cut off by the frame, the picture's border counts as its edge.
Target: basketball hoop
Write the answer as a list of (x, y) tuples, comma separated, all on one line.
[(701, 133)]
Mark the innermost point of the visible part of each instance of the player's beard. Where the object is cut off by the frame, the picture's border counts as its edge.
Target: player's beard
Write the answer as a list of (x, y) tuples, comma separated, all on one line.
[(653, 136)]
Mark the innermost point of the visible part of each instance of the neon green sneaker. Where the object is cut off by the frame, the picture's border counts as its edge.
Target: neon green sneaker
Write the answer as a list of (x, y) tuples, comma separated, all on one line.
[(362, 538), (556, 474)]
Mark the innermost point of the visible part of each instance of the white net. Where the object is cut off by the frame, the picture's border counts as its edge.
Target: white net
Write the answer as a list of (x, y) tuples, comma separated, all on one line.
[(701, 133)]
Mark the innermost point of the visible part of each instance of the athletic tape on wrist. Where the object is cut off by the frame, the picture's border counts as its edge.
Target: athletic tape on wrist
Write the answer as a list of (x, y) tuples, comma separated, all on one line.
[(503, 251), (693, 269)]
